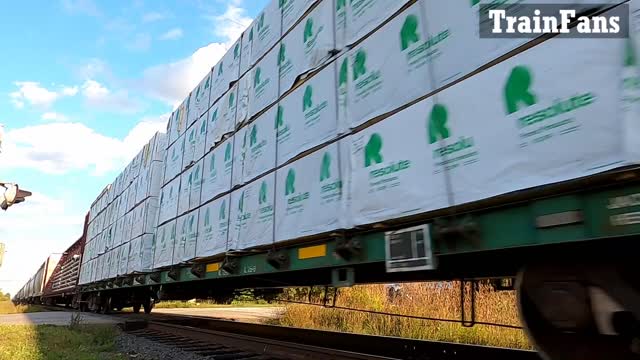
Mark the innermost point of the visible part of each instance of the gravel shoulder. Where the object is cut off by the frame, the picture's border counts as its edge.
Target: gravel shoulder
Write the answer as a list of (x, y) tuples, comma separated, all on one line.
[(142, 349)]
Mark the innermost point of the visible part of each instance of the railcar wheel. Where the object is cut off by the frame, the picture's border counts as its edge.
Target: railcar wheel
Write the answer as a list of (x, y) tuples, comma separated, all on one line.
[(136, 308), (107, 306), (148, 306), (568, 314)]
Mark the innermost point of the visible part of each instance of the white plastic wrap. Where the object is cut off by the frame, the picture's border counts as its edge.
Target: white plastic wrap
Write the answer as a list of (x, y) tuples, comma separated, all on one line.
[(308, 45), (221, 118), (145, 218), (196, 185), (260, 146), (226, 71), (123, 258), (309, 195), (169, 201), (141, 254), (390, 167), (165, 241), (199, 102), (266, 29), (252, 211), (307, 117), (390, 68), (213, 227), (173, 161), (185, 191), (246, 58), (217, 167), (264, 83), (292, 11)]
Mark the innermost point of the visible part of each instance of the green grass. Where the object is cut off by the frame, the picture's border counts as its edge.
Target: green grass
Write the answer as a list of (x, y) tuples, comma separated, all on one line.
[(421, 299), (84, 342), (7, 307), (208, 304)]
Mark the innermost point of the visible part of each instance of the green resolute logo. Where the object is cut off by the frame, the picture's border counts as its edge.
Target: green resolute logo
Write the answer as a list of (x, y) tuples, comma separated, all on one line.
[(223, 210), (212, 163), (372, 151), (359, 64), (196, 173), (308, 30), (192, 220), (438, 123), (517, 90), (256, 77), (343, 76), (340, 4), (241, 202), (222, 213), (630, 54), (282, 54), (214, 116), (409, 32), (227, 152), (207, 217), (290, 183), (279, 117), (203, 127), (438, 129), (307, 99), (262, 199), (198, 93), (253, 137), (325, 167)]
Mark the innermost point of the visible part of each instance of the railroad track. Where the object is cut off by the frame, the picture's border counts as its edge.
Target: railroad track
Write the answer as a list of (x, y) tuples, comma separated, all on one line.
[(229, 340), (220, 345)]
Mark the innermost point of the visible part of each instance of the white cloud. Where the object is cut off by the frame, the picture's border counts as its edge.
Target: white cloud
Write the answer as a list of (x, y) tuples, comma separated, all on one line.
[(153, 16), (85, 7), (172, 82), (47, 223), (69, 91), (231, 23), (54, 116), (41, 225), (92, 68), (58, 148), (172, 34), (93, 90), (33, 93), (140, 42), (142, 133), (100, 97), (120, 25)]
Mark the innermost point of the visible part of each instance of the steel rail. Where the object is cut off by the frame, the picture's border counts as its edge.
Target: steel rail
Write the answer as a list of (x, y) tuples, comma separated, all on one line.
[(354, 346)]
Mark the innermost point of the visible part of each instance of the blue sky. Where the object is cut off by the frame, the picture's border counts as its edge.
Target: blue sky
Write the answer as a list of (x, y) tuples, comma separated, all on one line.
[(83, 85)]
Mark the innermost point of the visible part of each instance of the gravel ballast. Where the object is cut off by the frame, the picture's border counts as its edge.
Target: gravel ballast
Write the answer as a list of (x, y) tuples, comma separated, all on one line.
[(142, 349)]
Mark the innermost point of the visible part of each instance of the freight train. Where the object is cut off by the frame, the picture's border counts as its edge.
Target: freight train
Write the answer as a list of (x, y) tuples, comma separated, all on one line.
[(348, 142)]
